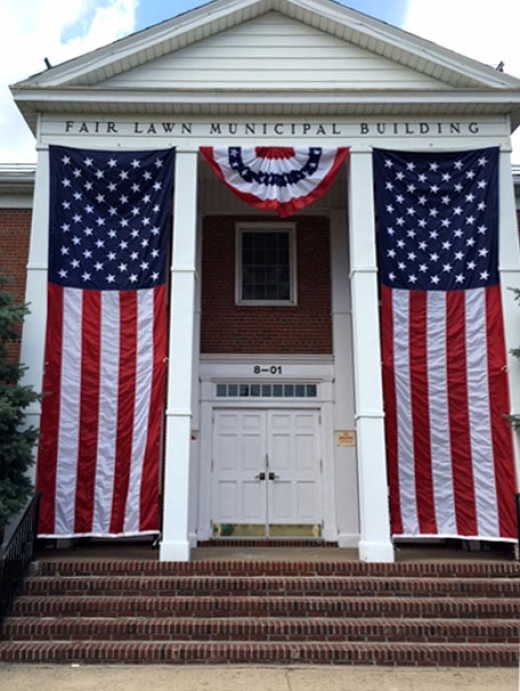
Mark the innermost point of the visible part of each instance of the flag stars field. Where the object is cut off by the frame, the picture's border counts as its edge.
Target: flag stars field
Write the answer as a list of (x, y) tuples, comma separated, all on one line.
[(124, 211), (411, 206)]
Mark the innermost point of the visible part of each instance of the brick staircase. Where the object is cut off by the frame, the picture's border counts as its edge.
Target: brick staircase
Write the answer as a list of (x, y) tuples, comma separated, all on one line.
[(101, 611)]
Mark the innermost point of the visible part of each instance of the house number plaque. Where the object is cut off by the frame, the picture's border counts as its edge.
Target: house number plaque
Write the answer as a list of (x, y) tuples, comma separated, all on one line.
[(273, 369)]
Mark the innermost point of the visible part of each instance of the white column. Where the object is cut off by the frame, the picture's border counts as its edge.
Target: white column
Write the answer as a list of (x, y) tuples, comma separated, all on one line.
[(195, 399), (509, 271), (33, 335), (375, 543), (175, 542), (345, 476)]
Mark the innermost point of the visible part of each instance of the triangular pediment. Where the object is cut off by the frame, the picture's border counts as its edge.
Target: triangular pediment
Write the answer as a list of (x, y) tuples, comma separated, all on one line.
[(318, 50), (273, 51)]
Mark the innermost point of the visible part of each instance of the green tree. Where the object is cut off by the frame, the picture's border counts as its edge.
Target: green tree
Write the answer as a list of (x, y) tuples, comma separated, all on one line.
[(16, 439)]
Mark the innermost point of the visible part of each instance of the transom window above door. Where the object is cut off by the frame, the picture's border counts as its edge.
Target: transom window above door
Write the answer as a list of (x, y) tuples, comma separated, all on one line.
[(266, 264), (244, 390)]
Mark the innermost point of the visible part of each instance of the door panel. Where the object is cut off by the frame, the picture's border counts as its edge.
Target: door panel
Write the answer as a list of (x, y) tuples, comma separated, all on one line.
[(239, 450), (306, 502), (293, 450)]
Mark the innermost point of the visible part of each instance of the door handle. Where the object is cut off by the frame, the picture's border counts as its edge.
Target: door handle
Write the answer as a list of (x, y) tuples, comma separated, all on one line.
[(260, 476), (273, 476)]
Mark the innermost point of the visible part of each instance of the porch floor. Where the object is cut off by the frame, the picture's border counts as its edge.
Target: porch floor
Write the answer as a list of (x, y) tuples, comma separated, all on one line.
[(453, 551)]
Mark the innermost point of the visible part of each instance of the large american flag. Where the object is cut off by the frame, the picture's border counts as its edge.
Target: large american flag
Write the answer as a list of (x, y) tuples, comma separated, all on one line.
[(98, 462), (450, 459)]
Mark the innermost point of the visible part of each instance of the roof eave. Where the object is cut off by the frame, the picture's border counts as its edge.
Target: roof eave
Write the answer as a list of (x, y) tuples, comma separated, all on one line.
[(17, 178)]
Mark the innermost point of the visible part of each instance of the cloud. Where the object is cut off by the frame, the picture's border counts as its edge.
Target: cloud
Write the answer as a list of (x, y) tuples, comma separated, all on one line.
[(109, 23), (482, 30), (31, 30)]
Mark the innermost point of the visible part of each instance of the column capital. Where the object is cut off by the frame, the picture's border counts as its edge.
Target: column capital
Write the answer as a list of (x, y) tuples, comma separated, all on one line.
[(357, 150)]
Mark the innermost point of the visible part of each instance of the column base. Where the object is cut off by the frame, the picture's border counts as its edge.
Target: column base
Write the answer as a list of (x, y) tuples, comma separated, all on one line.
[(378, 552), (348, 540), (174, 551)]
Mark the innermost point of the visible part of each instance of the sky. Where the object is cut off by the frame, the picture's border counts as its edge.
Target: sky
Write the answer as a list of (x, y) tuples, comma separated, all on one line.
[(31, 30)]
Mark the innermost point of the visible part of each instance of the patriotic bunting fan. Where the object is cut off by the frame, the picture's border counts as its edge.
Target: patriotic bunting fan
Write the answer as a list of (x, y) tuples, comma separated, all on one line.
[(281, 179)]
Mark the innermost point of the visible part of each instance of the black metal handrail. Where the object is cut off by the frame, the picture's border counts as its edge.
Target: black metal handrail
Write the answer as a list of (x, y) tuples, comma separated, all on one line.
[(17, 554)]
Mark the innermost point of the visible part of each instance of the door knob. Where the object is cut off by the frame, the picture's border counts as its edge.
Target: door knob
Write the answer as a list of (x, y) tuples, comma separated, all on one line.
[(260, 476), (273, 476)]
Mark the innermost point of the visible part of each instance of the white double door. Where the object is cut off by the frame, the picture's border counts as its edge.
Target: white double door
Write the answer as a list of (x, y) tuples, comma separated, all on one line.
[(266, 470)]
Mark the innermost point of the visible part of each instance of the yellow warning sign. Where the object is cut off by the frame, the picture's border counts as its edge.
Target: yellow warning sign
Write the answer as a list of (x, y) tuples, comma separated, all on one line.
[(345, 438)]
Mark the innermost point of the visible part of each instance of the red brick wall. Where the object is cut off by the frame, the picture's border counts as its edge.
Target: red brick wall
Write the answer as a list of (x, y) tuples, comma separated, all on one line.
[(15, 229), (230, 328), (226, 328)]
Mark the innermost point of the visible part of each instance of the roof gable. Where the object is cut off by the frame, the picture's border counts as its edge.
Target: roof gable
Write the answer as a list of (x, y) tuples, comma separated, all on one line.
[(272, 51)]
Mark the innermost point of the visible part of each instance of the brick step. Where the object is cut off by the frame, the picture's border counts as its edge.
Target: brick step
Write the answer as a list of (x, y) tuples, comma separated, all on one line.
[(448, 569), (340, 586), (277, 606), (453, 655), (262, 629)]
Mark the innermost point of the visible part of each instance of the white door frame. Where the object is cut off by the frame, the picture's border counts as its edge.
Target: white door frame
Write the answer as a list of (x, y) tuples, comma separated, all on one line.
[(241, 369)]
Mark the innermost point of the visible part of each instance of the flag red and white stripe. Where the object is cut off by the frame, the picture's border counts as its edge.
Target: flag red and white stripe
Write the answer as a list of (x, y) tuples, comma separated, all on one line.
[(103, 430), (281, 179), (448, 445)]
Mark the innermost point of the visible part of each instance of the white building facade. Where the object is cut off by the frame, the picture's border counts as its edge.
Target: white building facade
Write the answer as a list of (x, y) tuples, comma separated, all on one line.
[(289, 442)]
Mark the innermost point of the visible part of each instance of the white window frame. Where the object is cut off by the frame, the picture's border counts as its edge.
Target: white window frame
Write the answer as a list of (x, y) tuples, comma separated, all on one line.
[(290, 229)]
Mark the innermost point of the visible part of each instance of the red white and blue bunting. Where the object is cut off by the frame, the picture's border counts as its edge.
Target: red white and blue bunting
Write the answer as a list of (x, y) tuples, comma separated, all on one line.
[(281, 179)]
